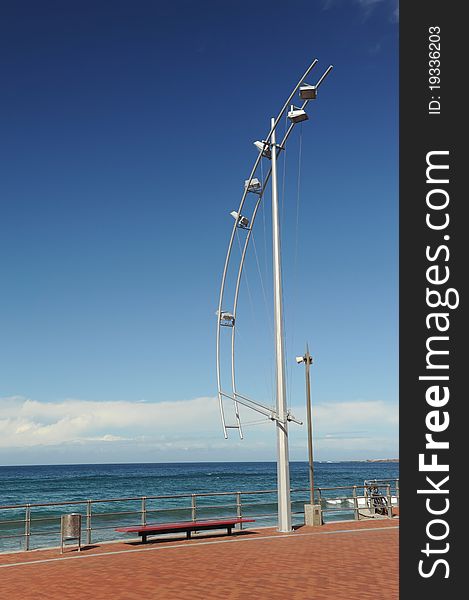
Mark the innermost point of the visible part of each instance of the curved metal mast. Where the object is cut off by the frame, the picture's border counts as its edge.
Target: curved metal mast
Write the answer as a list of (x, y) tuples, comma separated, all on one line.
[(226, 318)]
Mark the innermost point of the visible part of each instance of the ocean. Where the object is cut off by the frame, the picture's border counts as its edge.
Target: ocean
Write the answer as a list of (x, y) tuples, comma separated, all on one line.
[(65, 483)]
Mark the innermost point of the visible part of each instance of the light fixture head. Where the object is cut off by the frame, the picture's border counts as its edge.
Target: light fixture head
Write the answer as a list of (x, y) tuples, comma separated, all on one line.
[(296, 115), (299, 359), (308, 92), (241, 221), (227, 319), (263, 147), (255, 185)]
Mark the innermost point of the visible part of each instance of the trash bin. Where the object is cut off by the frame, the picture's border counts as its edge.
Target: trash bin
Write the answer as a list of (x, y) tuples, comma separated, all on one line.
[(70, 529)]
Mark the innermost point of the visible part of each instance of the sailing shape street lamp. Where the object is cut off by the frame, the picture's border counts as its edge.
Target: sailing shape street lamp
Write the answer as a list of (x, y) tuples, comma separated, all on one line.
[(268, 149)]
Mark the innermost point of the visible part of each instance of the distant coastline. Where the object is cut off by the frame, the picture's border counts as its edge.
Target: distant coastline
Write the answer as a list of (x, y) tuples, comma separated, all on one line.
[(362, 460)]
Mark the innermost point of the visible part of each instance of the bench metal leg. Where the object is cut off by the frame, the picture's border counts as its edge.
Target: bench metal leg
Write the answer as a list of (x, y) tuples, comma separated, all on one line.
[(229, 530), (188, 533), (144, 538)]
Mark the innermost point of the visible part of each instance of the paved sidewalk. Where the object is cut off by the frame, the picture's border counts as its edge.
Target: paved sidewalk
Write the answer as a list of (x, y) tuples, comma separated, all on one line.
[(340, 561)]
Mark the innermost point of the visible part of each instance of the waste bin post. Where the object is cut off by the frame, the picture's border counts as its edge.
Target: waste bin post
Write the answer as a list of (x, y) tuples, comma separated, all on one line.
[(70, 529)]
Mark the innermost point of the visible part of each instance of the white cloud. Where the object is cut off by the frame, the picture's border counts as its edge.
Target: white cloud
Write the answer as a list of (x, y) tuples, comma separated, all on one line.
[(328, 4), (366, 7), (368, 3), (115, 431), (363, 4), (25, 422), (339, 415)]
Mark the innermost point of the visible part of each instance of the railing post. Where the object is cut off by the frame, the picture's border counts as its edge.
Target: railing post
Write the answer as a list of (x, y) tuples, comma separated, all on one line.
[(366, 494), (27, 526), (239, 509), (356, 514), (144, 510), (388, 494), (88, 522), (194, 507)]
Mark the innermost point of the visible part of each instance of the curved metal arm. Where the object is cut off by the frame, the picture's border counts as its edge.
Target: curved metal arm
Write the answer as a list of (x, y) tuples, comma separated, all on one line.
[(243, 255), (253, 219)]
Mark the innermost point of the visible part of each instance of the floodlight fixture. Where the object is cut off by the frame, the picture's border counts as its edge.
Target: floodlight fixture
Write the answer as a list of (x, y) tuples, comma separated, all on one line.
[(263, 147), (308, 92), (227, 319), (253, 185), (242, 221), (297, 115), (307, 359)]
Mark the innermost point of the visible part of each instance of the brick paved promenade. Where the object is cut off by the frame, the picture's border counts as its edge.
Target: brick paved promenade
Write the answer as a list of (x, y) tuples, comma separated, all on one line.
[(340, 561)]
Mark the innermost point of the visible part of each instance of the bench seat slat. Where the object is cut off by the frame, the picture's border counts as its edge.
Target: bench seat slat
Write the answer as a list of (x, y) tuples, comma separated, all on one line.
[(161, 527)]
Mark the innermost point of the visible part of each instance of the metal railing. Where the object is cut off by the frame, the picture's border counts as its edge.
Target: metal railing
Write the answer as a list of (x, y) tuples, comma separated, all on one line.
[(41, 521), (378, 497)]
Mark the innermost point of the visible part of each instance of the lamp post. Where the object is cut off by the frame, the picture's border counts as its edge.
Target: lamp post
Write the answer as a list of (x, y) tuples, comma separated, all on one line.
[(283, 467), (313, 514), (268, 150), (307, 359)]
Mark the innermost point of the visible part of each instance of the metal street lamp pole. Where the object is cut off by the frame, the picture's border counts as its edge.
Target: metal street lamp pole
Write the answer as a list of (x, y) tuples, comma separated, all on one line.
[(283, 467), (308, 360), (313, 514)]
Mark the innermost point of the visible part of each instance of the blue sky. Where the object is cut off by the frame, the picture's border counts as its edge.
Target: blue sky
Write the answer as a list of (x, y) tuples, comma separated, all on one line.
[(126, 135)]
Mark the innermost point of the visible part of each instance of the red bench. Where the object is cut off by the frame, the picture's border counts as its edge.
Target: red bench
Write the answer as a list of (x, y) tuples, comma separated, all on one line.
[(189, 526)]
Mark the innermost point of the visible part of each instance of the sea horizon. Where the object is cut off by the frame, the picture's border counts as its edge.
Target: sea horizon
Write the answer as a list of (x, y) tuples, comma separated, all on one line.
[(190, 462)]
